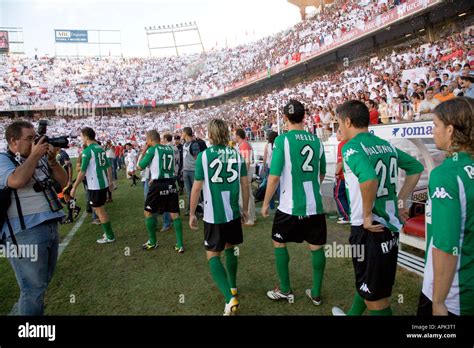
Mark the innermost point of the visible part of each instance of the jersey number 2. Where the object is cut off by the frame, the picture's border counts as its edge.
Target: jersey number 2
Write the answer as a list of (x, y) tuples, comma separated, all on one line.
[(381, 171), (309, 153)]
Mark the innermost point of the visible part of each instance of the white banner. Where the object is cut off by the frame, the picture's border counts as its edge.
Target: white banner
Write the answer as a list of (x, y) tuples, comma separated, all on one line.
[(415, 75), (413, 130)]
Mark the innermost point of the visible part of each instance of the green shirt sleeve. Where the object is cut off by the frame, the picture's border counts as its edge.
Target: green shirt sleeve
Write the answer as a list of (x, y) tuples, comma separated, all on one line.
[(198, 169), (278, 157), (445, 212), (86, 157), (322, 162), (358, 162), (146, 160), (408, 163)]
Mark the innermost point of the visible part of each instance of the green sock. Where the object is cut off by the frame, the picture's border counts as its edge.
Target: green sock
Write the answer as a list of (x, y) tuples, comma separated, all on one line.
[(107, 228), (220, 277), (151, 226), (319, 263), (231, 266), (358, 305), (386, 312), (178, 229), (282, 261)]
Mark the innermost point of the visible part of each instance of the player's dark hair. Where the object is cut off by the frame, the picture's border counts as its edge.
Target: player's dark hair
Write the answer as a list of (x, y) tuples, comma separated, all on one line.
[(168, 137), (240, 133), (356, 111), (188, 131), (294, 111), (153, 135), (88, 132)]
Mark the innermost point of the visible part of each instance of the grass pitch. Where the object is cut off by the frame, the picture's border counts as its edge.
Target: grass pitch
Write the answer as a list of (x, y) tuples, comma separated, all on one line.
[(121, 279)]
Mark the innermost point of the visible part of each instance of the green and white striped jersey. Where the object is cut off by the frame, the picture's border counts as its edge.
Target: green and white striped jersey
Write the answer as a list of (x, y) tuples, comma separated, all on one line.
[(450, 225), (160, 158), (95, 164), (367, 157), (298, 159), (220, 168)]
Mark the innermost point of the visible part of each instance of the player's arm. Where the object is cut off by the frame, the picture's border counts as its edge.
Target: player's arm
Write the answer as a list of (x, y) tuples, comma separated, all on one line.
[(265, 154), (147, 158), (245, 187), (196, 192), (276, 167), (109, 174), (413, 170), (322, 165), (446, 229), (85, 159)]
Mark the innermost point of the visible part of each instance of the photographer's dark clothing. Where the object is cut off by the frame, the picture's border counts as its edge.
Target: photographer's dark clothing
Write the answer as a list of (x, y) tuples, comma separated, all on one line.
[(37, 209)]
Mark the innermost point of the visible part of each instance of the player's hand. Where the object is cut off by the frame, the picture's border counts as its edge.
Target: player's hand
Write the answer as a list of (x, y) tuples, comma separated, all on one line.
[(369, 225), (403, 214), (244, 217), (440, 309), (144, 148), (193, 222), (73, 192), (40, 149), (265, 210), (112, 186)]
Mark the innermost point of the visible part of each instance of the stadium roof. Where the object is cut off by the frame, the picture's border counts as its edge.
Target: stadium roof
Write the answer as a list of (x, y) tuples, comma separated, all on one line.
[(302, 4)]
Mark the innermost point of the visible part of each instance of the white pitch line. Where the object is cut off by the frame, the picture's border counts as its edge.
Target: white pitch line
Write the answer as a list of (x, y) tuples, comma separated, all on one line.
[(71, 234), (61, 247)]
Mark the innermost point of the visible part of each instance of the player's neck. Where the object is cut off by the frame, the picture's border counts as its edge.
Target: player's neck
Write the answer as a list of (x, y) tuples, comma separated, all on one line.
[(356, 131), (295, 126)]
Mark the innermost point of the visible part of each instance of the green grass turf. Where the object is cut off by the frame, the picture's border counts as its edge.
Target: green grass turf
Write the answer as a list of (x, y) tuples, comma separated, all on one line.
[(122, 279)]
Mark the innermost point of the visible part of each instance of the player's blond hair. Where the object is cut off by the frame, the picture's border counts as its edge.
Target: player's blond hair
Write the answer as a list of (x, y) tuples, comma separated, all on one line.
[(218, 132)]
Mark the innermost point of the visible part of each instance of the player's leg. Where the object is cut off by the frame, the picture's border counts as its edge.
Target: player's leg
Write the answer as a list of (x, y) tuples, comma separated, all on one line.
[(283, 230), (233, 237), (97, 199), (315, 234), (357, 241), (151, 226), (178, 229), (172, 206), (231, 264), (152, 202), (215, 244)]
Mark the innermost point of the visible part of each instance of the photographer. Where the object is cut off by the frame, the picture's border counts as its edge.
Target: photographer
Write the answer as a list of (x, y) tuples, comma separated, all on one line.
[(30, 170)]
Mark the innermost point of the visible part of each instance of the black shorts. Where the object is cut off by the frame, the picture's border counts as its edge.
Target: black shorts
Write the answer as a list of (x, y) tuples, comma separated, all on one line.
[(97, 198), (376, 266), (162, 197), (290, 228), (217, 235)]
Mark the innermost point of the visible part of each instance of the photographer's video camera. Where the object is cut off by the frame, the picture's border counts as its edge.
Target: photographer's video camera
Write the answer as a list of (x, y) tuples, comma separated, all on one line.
[(62, 141)]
